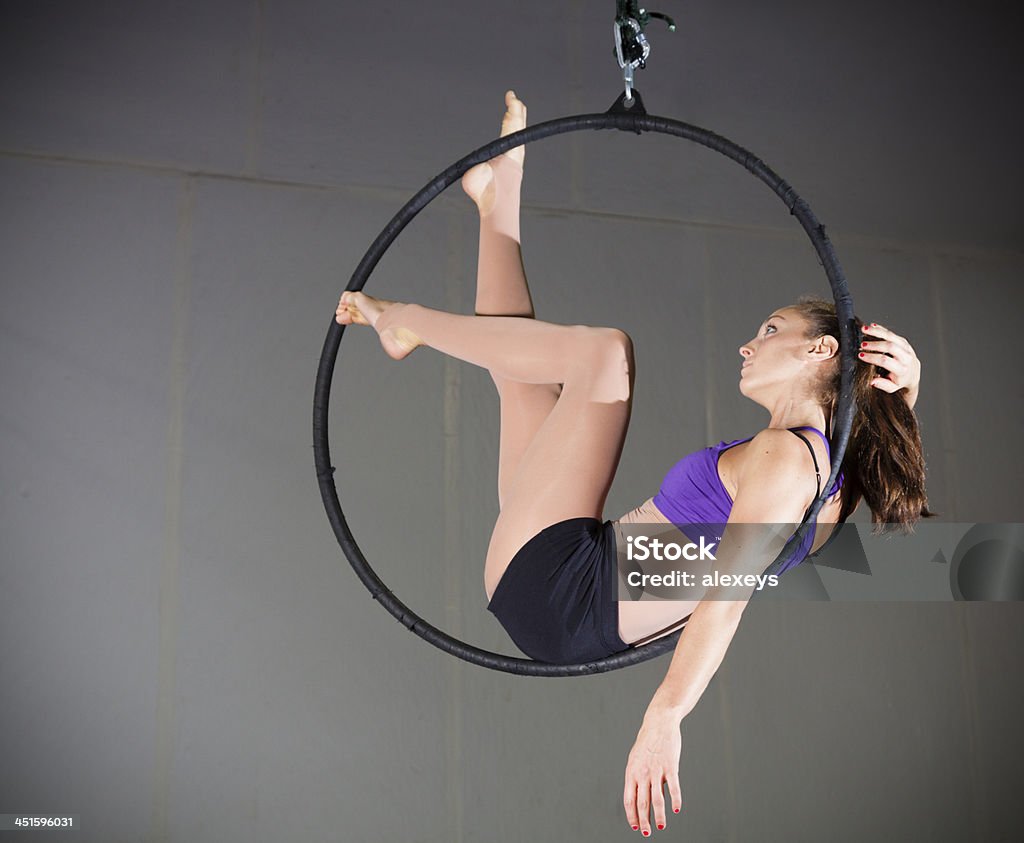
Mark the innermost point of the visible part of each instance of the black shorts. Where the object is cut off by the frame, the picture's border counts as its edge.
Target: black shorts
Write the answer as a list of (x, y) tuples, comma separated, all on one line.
[(557, 599)]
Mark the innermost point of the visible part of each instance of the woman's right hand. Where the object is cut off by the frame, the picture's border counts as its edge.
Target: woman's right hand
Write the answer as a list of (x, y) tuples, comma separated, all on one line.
[(897, 356), (653, 762)]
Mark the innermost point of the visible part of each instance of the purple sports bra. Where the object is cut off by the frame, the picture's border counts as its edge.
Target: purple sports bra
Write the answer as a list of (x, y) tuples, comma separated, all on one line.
[(692, 493)]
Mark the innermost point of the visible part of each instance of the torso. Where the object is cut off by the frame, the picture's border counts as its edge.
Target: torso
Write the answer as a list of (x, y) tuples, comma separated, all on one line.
[(640, 622)]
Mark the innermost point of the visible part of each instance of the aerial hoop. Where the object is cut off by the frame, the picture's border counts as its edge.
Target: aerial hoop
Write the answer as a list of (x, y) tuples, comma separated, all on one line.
[(626, 115)]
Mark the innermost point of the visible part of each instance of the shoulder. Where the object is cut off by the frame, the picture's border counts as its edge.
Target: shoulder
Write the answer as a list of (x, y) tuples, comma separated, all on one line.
[(775, 446), (776, 463)]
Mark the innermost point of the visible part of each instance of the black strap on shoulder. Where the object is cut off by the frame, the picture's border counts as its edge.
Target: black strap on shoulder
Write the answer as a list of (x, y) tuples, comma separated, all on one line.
[(817, 472)]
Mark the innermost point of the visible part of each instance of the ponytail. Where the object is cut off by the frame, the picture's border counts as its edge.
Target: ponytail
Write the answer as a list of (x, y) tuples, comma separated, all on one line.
[(884, 459)]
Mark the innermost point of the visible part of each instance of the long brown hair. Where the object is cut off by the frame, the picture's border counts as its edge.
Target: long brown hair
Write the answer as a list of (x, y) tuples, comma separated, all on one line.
[(884, 459)]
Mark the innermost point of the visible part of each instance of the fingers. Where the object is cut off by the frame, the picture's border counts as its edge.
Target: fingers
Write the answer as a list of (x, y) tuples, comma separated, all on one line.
[(640, 797), (637, 802), (881, 358), (886, 385), (675, 793), (892, 353), (658, 803), (629, 803), (643, 807), (881, 347), (876, 330)]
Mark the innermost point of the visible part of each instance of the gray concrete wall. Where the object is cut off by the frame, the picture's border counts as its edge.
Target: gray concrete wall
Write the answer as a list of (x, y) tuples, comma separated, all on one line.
[(184, 652)]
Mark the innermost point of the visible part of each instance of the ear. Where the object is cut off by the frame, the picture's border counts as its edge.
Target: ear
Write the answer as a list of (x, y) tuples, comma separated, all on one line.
[(824, 348)]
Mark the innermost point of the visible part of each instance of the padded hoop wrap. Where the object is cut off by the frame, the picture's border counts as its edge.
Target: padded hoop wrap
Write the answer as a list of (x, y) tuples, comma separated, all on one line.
[(633, 121)]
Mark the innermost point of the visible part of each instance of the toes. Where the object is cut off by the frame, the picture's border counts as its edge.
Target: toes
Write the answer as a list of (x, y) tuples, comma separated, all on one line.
[(348, 309), (515, 113), (515, 105), (514, 121), (357, 307)]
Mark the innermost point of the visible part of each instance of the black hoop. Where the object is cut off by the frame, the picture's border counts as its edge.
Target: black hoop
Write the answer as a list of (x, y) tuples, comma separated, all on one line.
[(631, 118)]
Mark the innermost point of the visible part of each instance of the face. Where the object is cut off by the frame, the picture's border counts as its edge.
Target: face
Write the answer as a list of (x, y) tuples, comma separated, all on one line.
[(779, 360)]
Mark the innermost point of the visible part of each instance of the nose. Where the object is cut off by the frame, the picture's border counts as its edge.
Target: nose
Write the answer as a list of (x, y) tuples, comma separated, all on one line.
[(745, 351)]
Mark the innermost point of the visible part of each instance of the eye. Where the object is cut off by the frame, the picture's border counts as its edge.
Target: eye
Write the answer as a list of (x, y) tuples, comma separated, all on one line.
[(768, 328)]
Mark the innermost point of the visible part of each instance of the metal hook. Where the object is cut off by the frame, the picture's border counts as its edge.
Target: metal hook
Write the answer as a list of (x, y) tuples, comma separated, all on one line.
[(627, 66)]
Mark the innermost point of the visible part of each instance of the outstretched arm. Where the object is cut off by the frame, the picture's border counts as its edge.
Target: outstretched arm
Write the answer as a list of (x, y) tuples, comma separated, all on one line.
[(654, 758), (897, 356), (774, 489)]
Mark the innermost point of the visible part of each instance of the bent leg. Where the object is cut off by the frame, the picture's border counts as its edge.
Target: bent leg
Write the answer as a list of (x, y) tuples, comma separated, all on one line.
[(569, 465), (502, 290)]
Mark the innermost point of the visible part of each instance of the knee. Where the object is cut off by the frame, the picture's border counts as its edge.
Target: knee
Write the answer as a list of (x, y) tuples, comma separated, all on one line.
[(609, 360), (619, 342), (614, 347)]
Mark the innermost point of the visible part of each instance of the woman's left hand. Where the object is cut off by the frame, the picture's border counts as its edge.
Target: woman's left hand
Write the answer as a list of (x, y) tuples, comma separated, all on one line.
[(894, 354), (653, 761)]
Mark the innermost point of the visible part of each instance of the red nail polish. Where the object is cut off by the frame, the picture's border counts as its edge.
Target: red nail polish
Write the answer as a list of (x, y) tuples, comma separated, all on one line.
[(660, 827), (646, 833), (676, 810), (636, 828), (861, 354)]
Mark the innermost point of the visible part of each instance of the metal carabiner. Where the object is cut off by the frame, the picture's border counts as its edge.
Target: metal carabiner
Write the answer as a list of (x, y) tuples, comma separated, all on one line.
[(627, 66)]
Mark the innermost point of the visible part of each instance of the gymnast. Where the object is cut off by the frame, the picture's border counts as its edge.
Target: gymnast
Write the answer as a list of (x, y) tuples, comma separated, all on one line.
[(565, 396)]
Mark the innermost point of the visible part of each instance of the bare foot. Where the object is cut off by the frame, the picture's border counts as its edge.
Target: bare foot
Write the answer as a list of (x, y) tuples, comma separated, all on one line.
[(478, 182), (360, 309)]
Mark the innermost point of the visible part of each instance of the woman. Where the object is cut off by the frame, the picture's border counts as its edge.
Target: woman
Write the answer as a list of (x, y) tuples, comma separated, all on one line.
[(565, 393)]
